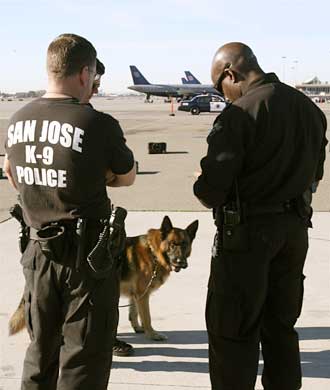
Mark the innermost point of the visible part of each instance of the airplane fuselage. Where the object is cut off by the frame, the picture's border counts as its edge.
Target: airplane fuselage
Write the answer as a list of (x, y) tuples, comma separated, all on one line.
[(173, 90)]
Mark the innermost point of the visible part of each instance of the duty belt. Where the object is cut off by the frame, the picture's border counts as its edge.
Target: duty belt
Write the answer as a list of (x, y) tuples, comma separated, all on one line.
[(56, 229), (47, 233), (279, 208)]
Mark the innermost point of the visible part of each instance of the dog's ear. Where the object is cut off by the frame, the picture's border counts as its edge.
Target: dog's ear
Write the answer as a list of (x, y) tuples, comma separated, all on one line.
[(166, 226), (192, 229)]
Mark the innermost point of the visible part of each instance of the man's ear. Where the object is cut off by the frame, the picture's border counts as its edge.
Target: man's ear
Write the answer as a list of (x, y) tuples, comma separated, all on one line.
[(166, 226), (232, 75), (84, 76)]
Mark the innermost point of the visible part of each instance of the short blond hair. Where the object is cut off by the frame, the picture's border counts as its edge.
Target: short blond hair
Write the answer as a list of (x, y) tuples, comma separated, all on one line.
[(68, 54)]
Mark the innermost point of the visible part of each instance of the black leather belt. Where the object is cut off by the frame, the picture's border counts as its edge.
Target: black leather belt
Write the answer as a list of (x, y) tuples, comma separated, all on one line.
[(280, 208), (56, 229)]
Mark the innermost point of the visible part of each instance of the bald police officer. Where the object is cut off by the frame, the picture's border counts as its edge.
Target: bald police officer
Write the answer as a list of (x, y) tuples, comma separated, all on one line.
[(265, 151), (60, 156)]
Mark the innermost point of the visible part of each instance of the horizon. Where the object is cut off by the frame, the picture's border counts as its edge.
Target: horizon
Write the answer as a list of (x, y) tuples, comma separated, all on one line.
[(164, 39)]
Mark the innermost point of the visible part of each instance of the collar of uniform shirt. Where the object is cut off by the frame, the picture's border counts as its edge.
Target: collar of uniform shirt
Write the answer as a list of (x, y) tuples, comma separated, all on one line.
[(267, 78)]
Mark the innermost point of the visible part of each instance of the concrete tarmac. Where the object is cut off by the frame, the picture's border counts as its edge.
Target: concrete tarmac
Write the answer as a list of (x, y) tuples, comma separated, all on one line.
[(164, 181), (177, 309)]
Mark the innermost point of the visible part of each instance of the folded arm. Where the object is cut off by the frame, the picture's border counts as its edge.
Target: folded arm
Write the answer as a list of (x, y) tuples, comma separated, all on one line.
[(127, 179), (224, 158)]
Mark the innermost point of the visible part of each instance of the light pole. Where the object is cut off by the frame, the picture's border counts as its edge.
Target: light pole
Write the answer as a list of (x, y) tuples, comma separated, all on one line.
[(296, 71), (283, 68)]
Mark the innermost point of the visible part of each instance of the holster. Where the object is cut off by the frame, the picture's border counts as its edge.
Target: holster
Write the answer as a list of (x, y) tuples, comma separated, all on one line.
[(235, 238), (24, 231), (23, 238), (109, 246), (233, 232), (100, 259)]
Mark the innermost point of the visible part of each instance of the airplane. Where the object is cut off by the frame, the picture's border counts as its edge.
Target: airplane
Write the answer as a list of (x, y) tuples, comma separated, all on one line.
[(141, 84), (191, 78)]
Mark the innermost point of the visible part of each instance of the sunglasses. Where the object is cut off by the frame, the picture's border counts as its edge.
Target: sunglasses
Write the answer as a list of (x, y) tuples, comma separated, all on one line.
[(223, 75)]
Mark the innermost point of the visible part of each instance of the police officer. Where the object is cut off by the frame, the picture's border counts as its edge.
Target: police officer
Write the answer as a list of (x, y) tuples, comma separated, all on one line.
[(60, 156), (100, 70), (264, 152), (120, 347)]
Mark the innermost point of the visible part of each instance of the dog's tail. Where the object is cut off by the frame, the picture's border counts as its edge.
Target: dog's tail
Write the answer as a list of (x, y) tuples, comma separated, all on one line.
[(17, 320)]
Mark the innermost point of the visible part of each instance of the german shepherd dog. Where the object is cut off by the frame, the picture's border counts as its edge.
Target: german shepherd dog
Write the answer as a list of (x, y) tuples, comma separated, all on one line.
[(146, 264)]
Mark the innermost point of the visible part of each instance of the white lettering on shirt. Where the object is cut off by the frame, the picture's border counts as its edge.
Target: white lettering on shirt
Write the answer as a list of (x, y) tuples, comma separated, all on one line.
[(65, 134), (30, 151), (77, 139), (52, 132), (44, 129), (29, 130), (10, 135), (65, 139), (21, 132), (41, 176)]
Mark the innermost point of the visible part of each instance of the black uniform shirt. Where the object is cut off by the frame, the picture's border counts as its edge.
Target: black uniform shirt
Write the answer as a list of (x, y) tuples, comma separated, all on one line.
[(272, 139), (59, 152)]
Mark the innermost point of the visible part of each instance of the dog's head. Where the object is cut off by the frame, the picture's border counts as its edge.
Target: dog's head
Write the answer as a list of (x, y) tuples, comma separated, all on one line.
[(176, 243)]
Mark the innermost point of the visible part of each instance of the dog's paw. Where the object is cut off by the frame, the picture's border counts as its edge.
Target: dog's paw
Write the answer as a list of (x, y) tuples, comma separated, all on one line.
[(138, 329), (156, 336)]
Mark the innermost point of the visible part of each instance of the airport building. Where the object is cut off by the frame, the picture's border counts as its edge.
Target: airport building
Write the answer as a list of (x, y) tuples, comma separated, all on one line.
[(315, 89)]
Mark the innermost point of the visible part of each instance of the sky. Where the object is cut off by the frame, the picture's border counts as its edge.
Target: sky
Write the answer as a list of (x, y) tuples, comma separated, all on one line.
[(163, 38)]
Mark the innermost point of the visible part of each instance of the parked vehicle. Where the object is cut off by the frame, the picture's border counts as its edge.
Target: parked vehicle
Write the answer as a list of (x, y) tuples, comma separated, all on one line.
[(203, 103)]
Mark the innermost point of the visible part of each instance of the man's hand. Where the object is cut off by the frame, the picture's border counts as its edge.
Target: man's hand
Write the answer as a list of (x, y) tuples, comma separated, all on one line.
[(197, 174), (110, 177)]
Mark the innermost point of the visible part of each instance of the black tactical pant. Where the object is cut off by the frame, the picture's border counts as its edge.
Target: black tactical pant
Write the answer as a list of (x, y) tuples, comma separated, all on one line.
[(255, 297), (72, 321)]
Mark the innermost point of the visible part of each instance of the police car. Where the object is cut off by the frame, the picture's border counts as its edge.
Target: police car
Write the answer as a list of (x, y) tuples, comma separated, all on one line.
[(203, 103)]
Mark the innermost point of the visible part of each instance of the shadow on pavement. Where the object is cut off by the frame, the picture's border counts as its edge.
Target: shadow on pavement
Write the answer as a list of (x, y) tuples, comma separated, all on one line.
[(172, 352), (147, 366), (147, 172), (314, 333), (176, 152), (174, 337), (314, 364)]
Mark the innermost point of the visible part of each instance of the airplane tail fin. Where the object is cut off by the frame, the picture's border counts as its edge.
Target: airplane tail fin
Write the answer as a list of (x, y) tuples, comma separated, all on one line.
[(184, 81), (138, 77), (191, 78)]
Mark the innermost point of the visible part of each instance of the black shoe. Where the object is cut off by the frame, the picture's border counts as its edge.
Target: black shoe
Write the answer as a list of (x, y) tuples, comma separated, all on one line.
[(120, 348)]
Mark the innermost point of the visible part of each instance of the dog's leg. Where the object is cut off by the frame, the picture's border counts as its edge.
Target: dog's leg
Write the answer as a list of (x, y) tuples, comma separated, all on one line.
[(133, 316), (144, 312)]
